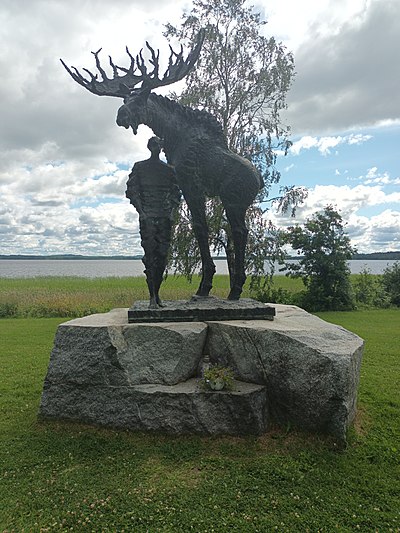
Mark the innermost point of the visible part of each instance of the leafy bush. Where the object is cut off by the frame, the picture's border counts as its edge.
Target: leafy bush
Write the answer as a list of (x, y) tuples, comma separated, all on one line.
[(369, 290), (391, 283), (8, 309), (270, 294), (323, 268)]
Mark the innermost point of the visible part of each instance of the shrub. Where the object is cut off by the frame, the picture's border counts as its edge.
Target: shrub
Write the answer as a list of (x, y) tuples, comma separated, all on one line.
[(269, 294), (391, 283), (8, 309), (369, 290), (323, 268)]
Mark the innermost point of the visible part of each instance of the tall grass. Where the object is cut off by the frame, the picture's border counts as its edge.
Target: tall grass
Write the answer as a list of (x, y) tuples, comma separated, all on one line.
[(73, 297)]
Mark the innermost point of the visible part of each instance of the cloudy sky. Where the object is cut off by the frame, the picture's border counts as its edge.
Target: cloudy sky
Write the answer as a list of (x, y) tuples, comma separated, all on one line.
[(64, 162)]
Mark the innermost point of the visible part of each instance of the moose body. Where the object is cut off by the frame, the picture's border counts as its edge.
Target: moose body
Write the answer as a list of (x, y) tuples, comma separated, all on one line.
[(194, 144), (205, 167)]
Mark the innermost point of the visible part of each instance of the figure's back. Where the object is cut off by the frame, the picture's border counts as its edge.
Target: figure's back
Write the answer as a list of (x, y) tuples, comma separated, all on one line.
[(154, 182)]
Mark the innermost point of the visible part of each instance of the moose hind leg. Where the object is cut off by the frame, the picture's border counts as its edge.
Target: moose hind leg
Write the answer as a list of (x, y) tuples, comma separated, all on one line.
[(236, 218), (197, 209)]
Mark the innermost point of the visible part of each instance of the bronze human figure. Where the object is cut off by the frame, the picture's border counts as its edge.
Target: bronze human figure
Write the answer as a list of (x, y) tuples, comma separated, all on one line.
[(153, 191), (194, 144)]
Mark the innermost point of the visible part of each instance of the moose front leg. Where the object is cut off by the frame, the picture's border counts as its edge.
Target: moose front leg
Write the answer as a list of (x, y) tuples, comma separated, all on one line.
[(196, 205)]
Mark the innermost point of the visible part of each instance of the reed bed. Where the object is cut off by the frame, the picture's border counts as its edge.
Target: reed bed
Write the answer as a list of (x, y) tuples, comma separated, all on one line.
[(43, 297)]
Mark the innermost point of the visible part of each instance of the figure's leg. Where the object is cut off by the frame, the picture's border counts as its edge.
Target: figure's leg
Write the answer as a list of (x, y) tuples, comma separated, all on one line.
[(196, 204), (236, 218), (147, 233), (163, 241)]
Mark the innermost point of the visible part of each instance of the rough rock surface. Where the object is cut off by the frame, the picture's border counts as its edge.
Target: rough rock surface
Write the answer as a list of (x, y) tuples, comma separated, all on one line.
[(105, 371), (183, 408), (103, 349), (310, 368)]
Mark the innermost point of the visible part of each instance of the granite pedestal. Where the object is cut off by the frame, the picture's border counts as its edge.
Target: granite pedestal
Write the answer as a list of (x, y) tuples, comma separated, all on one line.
[(296, 369)]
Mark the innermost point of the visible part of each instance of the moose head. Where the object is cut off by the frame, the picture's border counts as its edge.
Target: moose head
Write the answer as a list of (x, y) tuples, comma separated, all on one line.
[(124, 82)]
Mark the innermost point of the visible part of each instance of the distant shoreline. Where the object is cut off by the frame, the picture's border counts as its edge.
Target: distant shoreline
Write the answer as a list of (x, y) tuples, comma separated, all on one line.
[(390, 256), (73, 257)]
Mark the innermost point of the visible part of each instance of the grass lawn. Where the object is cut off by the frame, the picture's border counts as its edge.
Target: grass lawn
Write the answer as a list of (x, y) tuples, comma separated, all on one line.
[(59, 476)]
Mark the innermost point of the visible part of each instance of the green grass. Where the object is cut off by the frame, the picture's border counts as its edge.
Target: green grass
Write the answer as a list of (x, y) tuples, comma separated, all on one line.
[(71, 297), (59, 476)]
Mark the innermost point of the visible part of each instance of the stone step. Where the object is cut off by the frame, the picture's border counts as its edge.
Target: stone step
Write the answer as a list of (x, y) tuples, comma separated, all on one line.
[(176, 409)]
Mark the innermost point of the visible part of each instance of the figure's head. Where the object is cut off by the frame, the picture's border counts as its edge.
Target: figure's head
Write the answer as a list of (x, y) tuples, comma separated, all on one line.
[(155, 145)]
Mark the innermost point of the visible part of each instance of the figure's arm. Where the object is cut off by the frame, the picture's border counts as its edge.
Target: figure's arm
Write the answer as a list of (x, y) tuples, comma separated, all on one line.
[(173, 197), (133, 190), (175, 192), (176, 195)]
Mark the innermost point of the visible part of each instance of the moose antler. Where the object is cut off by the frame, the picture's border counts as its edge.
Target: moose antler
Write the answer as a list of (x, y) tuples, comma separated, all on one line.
[(116, 86), (123, 85)]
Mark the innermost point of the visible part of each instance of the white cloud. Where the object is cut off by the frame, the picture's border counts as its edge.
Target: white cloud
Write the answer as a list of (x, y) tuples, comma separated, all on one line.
[(106, 228), (377, 178), (291, 21), (379, 232), (358, 138), (345, 68), (374, 177), (325, 144), (61, 183)]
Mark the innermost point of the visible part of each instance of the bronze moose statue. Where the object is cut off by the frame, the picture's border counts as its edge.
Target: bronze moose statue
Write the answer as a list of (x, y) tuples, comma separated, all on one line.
[(194, 144)]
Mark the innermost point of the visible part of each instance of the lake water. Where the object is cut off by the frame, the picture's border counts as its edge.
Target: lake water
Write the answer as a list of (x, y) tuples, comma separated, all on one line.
[(99, 268)]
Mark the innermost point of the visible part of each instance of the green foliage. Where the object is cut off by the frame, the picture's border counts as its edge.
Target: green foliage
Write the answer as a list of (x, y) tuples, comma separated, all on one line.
[(8, 309), (369, 290), (323, 268), (74, 297), (218, 373), (268, 293), (72, 477), (391, 282), (241, 78)]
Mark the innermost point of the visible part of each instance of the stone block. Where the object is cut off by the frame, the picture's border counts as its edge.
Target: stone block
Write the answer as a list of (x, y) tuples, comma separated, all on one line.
[(177, 409), (297, 368), (310, 368), (103, 349)]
